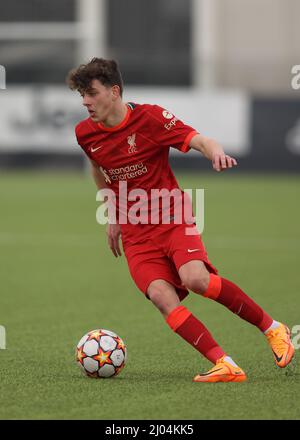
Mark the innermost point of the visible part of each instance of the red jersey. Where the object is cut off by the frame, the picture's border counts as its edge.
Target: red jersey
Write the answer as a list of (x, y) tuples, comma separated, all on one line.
[(136, 152)]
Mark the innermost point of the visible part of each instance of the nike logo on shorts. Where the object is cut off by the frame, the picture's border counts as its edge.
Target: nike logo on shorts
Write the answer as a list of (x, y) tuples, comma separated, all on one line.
[(192, 250)]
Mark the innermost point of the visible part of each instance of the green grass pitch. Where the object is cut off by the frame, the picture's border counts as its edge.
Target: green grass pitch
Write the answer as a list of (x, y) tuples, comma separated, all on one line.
[(59, 280)]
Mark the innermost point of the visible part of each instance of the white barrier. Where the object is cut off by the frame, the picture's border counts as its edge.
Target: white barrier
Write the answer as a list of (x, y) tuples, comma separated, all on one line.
[(42, 119)]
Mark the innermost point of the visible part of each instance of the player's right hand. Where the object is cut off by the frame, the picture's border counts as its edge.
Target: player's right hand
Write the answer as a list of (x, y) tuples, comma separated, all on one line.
[(113, 236), (222, 161)]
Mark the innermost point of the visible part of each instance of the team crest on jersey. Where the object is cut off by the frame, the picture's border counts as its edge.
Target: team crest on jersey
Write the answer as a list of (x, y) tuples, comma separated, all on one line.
[(106, 176), (132, 145)]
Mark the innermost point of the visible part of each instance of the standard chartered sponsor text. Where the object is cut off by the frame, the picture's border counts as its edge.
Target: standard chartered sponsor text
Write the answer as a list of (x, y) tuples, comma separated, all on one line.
[(127, 172)]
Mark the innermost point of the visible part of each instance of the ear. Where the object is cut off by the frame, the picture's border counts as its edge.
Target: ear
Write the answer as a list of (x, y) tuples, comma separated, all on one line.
[(115, 90)]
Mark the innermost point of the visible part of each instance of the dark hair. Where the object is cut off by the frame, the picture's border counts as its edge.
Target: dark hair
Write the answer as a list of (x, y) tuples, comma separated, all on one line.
[(106, 71)]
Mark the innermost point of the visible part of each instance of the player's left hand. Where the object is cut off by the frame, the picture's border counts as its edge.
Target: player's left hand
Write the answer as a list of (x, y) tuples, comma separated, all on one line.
[(221, 162)]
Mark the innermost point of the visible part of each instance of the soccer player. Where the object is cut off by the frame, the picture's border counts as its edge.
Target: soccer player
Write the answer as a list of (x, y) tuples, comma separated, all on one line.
[(129, 142)]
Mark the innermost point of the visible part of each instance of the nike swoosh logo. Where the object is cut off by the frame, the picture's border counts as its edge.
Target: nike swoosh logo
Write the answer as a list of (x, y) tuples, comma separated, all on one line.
[(278, 359), (207, 374), (240, 309), (196, 342), (193, 250), (95, 149)]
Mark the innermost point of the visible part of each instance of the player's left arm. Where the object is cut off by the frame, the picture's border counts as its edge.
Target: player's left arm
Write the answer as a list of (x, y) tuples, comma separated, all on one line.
[(213, 151)]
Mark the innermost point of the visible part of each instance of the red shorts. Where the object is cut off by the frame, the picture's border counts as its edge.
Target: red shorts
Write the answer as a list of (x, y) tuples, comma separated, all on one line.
[(160, 256)]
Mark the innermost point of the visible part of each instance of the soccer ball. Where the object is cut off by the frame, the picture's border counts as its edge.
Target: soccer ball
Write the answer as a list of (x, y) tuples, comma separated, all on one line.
[(101, 353)]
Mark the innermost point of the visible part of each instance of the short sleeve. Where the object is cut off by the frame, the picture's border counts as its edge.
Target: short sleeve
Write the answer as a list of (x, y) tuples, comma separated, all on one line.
[(169, 131)]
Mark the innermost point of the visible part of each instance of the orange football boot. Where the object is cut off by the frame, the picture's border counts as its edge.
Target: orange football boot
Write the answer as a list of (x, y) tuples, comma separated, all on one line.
[(281, 345), (222, 372)]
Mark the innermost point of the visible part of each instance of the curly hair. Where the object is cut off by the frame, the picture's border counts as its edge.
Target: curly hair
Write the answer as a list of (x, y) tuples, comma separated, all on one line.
[(105, 71)]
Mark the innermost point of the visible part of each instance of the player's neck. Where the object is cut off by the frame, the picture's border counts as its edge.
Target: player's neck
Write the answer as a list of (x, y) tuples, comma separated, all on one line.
[(116, 116)]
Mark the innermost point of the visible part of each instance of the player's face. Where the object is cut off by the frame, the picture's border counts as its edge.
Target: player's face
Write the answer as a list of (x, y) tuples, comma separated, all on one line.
[(99, 100)]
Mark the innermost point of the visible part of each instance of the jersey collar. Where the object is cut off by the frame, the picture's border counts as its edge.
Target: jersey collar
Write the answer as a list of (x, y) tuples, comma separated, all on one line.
[(119, 126)]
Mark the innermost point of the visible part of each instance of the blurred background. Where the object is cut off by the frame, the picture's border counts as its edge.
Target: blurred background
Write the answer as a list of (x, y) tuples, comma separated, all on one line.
[(224, 67)]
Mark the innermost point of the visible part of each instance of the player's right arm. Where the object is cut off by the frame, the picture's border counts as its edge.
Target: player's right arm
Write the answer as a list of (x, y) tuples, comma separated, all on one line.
[(113, 231), (213, 151)]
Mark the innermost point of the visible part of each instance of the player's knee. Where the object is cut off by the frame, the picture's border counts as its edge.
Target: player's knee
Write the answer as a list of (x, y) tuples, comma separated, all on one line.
[(197, 282), (156, 296), (163, 299)]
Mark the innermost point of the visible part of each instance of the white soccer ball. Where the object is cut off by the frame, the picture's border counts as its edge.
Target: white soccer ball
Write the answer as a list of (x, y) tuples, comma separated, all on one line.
[(101, 353)]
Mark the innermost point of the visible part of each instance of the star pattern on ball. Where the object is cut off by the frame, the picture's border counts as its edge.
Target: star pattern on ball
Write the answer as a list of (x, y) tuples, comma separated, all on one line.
[(94, 375), (120, 344), (103, 357), (81, 355), (118, 369), (96, 334)]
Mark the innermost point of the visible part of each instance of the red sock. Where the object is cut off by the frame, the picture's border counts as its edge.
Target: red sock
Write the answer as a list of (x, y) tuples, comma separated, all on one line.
[(194, 332), (231, 296)]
